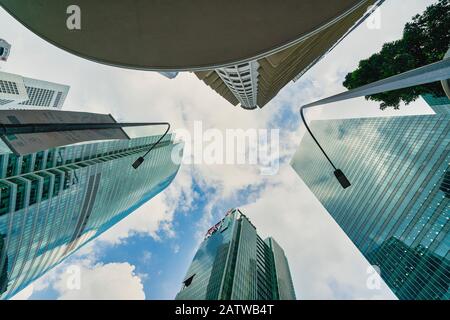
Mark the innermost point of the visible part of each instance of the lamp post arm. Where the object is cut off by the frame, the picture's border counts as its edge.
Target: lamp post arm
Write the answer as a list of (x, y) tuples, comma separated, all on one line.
[(430, 73), (314, 138), (29, 128), (141, 159)]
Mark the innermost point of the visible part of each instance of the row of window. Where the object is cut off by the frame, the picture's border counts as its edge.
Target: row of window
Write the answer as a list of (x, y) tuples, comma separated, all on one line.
[(5, 101), (240, 82), (55, 158), (68, 176), (57, 99), (38, 97), (8, 87)]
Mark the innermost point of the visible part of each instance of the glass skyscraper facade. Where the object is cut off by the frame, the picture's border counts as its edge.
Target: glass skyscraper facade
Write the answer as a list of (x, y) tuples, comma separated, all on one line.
[(55, 201), (234, 263), (396, 211)]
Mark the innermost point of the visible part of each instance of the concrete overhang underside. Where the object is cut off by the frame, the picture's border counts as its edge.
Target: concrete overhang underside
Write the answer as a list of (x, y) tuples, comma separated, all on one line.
[(165, 35)]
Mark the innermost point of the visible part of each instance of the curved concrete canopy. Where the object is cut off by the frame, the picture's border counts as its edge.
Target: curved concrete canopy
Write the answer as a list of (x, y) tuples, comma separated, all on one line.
[(177, 34)]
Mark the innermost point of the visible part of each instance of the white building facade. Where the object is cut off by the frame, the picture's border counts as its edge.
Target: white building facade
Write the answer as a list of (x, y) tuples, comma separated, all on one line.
[(242, 80), (17, 92)]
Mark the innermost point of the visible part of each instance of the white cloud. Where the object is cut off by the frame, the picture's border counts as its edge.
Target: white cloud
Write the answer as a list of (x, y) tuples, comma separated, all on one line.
[(112, 281), (146, 257), (81, 277), (25, 293), (176, 248)]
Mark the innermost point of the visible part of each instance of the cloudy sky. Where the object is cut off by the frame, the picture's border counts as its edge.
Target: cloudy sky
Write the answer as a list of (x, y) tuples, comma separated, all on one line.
[(146, 255)]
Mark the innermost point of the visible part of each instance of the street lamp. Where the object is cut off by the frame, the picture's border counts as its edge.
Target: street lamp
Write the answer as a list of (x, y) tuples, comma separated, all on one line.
[(141, 159), (26, 128), (345, 183), (433, 72)]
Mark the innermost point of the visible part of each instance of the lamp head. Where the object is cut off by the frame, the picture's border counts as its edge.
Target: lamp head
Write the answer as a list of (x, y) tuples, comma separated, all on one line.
[(342, 178), (138, 162)]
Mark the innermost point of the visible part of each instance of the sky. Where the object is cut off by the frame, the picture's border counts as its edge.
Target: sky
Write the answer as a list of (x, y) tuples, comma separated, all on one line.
[(146, 255)]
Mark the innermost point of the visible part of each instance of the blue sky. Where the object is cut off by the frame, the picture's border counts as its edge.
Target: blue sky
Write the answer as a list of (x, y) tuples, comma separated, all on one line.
[(147, 254)]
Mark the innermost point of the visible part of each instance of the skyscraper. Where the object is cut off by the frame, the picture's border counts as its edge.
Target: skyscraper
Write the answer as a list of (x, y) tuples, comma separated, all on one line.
[(396, 211), (17, 92), (168, 75), (54, 201), (255, 83), (233, 262)]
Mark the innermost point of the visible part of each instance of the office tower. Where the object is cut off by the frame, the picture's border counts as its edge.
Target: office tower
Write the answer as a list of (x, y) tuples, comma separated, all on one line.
[(253, 84), (5, 49), (399, 262), (396, 211), (17, 92), (233, 262), (55, 201), (168, 75)]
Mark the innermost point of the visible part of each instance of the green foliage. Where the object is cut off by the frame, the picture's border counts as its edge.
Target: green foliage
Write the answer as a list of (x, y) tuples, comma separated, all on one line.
[(425, 40)]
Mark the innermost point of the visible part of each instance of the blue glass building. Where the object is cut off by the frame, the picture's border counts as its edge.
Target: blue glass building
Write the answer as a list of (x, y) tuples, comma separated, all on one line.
[(54, 201), (396, 211), (234, 263)]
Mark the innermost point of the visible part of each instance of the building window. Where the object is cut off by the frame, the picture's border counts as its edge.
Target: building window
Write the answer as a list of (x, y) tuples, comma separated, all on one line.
[(20, 196), (34, 190), (12, 165), (26, 164), (5, 192), (8, 87)]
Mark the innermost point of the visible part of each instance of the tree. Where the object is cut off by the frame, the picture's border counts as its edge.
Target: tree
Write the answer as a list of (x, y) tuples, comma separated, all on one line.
[(425, 40)]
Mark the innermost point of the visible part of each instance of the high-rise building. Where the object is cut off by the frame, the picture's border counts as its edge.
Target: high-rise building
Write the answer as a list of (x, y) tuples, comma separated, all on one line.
[(17, 92), (168, 74), (396, 211), (55, 201), (234, 263), (255, 83)]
